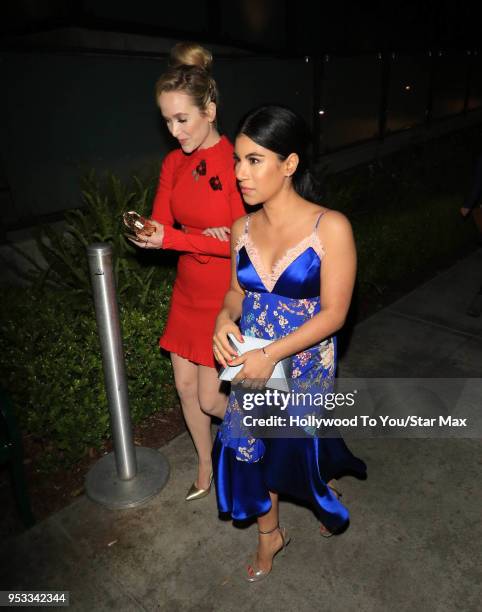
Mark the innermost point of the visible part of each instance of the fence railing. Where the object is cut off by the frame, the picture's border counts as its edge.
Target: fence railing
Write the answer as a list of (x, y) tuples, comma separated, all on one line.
[(374, 96), (67, 111)]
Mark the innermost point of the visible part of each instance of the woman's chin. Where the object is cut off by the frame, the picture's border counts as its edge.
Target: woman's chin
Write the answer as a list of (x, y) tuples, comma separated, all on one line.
[(251, 200)]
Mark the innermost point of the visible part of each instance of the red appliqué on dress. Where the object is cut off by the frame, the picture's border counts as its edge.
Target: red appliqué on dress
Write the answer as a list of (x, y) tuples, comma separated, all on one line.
[(215, 183), (199, 170)]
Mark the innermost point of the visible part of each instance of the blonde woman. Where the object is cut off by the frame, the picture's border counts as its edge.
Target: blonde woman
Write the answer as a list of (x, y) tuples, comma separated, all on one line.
[(197, 190)]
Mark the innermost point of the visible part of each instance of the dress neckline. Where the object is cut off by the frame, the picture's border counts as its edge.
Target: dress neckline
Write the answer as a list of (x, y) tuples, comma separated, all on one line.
[(269, 279), (212, 149)]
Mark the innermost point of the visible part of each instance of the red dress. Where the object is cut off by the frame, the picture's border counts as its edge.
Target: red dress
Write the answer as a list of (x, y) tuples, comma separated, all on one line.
[(197, 191)]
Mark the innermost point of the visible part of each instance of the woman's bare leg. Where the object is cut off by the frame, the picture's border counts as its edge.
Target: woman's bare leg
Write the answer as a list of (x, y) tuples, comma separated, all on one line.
[(197, 421), (270, 543), (212, 400)]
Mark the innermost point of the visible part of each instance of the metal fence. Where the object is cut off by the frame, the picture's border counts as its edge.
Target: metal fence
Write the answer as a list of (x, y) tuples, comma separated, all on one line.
[(65, 112), (375, 96)]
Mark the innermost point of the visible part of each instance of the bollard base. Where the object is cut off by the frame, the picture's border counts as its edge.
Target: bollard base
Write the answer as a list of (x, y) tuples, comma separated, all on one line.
[(103, 485)]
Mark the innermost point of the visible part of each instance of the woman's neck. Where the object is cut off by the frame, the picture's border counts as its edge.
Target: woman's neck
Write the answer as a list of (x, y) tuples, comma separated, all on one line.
[(282, 208), (212, 139)]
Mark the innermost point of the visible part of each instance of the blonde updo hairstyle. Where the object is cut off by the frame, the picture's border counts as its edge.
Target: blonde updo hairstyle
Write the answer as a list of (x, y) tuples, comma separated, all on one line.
[(190, 72)]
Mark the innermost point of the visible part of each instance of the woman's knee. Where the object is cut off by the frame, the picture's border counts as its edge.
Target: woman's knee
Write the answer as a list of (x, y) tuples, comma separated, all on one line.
[(185, 378), (186, 389), (213, 404)]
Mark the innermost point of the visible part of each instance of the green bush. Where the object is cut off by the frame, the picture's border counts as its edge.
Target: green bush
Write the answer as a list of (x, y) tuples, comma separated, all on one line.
[(106, 199), (50, 359), (51, 364), (405, 208), (393, 245), (439, 167)]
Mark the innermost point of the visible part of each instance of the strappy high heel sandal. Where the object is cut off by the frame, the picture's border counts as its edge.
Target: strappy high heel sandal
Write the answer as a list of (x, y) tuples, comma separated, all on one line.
[(326, 533), (337, 493), (259, 574)]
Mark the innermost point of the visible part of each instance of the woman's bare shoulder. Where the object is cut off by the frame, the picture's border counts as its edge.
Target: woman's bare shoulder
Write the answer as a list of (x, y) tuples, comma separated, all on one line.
[(334, 225), (333, 218)]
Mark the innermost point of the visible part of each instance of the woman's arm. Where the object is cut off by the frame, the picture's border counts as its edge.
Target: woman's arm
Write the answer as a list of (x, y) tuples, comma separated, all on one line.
[(170, 238), (161, 207), (209, 245), (232, 305), (337, 279), (177, 240)]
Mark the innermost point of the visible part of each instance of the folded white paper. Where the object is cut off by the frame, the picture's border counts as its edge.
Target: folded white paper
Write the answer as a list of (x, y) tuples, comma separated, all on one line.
[(281, 370)]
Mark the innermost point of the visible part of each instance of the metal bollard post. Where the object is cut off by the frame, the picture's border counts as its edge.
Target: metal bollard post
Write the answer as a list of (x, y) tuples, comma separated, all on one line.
[(129, 476)]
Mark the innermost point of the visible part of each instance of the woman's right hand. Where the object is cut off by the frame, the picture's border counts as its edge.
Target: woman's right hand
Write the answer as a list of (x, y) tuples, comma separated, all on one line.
[(151, 239), (223, 351)]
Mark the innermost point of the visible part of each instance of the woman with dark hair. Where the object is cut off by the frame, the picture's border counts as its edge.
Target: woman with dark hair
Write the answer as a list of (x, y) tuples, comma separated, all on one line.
[(293, 271)]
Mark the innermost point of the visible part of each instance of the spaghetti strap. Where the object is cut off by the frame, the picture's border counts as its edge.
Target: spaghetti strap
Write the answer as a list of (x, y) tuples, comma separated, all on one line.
[(246, 225), (318, 220)]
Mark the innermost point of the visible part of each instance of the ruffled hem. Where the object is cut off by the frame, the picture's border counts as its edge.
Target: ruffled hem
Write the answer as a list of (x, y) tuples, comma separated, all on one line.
[(297, 467), (190, 352)]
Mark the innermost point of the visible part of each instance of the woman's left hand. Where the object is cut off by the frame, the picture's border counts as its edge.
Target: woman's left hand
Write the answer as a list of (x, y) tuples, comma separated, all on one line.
[(221, 233), (150, 240), (257, 369)]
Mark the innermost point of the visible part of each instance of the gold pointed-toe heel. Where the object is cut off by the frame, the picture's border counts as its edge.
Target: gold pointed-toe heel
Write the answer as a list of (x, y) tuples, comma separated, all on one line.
[(259, 574), (196, 493)]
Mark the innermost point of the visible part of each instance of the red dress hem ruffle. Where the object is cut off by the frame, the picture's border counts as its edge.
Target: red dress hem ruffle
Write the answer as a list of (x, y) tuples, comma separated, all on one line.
[(188, 352)]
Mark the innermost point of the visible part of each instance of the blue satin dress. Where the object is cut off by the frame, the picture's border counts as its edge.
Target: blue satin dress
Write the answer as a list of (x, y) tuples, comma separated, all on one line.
[(245, 467)]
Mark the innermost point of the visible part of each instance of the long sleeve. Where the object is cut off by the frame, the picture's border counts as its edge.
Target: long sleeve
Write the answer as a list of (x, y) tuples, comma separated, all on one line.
[(179, 240), (188, 239), (175, 239)]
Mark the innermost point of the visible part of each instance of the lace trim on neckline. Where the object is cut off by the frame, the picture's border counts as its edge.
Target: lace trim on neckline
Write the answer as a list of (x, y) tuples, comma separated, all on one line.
[(269, 279)]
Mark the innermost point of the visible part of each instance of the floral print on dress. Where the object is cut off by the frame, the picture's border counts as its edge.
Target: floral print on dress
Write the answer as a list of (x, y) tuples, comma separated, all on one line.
[(271, 316)]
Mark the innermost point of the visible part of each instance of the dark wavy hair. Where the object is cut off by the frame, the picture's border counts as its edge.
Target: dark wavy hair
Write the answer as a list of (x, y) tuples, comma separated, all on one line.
[(282, 131)]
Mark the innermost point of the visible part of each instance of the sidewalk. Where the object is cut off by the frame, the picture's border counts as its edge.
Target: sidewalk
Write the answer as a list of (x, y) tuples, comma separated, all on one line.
[(415, 531)]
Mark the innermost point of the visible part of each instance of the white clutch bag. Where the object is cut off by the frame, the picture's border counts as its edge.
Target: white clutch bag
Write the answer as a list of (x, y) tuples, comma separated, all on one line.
[(281, 372)]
